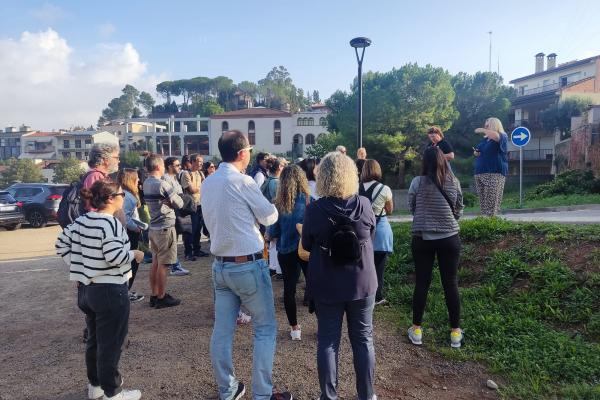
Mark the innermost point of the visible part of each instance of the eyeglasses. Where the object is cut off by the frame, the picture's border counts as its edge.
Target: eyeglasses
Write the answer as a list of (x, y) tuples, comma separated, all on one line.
[(122, 194), (249, 148)]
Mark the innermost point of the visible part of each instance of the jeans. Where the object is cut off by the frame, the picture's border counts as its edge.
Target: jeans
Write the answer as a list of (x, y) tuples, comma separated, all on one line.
[(290, 267), (448, 254), (106, 308), (359, 317), (197, 223), (247, 284)]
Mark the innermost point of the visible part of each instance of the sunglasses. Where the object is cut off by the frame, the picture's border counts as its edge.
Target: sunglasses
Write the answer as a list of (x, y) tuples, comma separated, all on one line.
[(177, 165)]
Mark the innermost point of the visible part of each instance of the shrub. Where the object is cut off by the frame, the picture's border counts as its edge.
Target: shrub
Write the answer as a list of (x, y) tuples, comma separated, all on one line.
[(570, 182), (469, 199)]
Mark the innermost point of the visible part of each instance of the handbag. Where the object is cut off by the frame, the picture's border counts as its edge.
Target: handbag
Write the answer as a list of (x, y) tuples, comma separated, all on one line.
[(302, 253)]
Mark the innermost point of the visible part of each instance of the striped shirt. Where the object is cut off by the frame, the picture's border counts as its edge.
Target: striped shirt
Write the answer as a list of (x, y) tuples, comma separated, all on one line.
[(156, 191), (96, 249)]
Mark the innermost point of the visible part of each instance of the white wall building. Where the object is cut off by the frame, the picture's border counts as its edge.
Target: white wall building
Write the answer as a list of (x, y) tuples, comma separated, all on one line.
[(58, 145)]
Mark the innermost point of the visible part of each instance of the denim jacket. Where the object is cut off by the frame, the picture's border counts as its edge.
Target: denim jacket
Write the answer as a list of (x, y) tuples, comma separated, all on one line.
[(130, 211), (285, 228)]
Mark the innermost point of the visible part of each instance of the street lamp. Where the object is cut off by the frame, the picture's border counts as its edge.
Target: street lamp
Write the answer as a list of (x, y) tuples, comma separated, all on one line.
[(360, 43)]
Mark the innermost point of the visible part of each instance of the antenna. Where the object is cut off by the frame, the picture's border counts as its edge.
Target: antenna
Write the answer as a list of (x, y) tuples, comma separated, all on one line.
[(498, 65), (490, 59)]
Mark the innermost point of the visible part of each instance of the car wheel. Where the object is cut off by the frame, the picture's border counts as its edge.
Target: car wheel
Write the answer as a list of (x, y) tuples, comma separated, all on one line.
[(36, 218), (13, 227)]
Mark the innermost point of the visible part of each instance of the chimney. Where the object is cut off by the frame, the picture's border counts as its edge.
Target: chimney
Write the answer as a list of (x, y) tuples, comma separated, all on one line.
[(539, 62), (551, 61)]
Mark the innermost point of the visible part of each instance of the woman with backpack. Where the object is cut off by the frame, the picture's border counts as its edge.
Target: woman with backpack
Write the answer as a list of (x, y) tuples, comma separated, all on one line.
[(97, 250), (128, 179), (435, 200), (380, 196), (269, 190), (292, 196), (338, 231)]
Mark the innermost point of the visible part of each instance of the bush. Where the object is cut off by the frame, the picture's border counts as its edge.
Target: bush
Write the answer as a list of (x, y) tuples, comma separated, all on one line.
[(570, 182), (469, 199)]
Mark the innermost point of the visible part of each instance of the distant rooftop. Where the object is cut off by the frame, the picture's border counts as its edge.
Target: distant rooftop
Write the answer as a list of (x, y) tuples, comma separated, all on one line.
[(255, 112), (560, 67)]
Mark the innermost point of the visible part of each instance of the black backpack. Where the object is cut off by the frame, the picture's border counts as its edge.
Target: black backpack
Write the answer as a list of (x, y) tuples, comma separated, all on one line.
[(342, 245), (71, 206), (369, 195)]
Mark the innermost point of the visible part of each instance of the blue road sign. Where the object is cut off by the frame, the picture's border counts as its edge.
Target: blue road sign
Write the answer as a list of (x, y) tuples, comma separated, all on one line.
[(520, 136)]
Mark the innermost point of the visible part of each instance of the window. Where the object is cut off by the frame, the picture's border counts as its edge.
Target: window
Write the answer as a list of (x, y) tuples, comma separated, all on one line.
[(299, 121), (78, 155), (298, 139), (323, 121), (224, 126), (66, 154), (88, 141), (203, 126), (251, 133), (86, 154), (311, 121), (77, 143), (277, 132), (310, 139), (66, 143)]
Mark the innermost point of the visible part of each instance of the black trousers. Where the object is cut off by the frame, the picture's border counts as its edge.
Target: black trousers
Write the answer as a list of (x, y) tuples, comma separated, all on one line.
[(448, 254), (134, 240), (380, 262), (106, 308), (291, 265)]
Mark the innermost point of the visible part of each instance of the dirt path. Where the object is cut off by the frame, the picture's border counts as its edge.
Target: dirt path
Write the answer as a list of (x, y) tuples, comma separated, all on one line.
[(42, 352)]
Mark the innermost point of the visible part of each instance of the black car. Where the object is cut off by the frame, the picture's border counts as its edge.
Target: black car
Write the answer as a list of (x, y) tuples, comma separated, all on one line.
[(11, 216), (40, 201)]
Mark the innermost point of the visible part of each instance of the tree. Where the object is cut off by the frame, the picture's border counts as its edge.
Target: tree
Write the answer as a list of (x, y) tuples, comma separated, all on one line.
[(24, 170), (324, 144), (315, 97), (277, 90), (126, 105), (146, 101), (130, 159), (205, 108), (398, 107), (68, 170), (478, 97), (558, 116)]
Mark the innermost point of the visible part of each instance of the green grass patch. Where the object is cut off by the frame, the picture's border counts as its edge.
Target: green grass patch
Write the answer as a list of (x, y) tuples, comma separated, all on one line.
[(511, 201), (530, 304)]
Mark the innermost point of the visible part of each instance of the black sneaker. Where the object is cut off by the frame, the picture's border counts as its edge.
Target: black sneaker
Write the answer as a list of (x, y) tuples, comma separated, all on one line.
[(241, 390), (152, 301), (190, 258), (201, 253), (85, 335), (167, 301), (282, 396)]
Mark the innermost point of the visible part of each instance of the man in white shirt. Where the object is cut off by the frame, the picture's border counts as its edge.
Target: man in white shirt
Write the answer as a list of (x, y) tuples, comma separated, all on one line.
[(233, 207)]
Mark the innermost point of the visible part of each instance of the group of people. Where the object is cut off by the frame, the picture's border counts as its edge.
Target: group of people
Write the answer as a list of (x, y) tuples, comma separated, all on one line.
[(324, 218)]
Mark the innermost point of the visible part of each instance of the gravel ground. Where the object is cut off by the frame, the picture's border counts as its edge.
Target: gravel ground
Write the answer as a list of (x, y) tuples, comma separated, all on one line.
[(167, 357)]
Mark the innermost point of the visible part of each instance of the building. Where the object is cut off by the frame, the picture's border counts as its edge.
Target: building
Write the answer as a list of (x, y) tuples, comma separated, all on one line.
[(10, 141), (58, 145), (268, 130), (548, 85), (581, 150)]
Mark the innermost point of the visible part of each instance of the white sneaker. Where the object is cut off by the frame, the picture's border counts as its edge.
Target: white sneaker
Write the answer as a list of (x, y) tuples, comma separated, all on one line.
[(415, 335), (243, 318), (125, 395), (296, 334), (95, 392), (456, 338)]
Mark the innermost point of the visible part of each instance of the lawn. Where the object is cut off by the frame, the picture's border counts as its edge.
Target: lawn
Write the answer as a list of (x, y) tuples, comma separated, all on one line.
[(511, 201), (530, 296)]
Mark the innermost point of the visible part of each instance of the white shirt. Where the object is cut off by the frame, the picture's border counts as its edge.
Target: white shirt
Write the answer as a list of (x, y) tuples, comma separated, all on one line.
[(232, 204), (259, 178), (379, 201)]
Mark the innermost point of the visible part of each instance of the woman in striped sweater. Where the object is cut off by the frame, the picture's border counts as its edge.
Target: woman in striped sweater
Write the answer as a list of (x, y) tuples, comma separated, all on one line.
[(97, 250)]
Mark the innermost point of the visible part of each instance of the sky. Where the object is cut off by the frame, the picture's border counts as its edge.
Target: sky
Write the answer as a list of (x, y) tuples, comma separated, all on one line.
[(61, 62)]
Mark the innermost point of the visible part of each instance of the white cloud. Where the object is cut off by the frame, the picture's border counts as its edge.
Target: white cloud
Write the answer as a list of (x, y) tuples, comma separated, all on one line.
[(49, 85), (106, 29), (48, 13)]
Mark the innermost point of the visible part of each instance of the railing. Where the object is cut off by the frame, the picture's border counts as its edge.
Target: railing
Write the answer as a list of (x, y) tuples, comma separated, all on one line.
[(542, 89), (34, 150), (532, 155)]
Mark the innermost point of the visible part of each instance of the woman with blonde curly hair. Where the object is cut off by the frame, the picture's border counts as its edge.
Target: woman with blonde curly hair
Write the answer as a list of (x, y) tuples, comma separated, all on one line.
[(341, 285), (292, 196)]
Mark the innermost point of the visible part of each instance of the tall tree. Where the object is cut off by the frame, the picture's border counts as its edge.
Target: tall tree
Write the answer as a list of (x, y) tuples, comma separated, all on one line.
[(68, 170), (24, 170), (146, 101), (315, 97), (127, 105), (398, 107), (478, 97), (558, 116)]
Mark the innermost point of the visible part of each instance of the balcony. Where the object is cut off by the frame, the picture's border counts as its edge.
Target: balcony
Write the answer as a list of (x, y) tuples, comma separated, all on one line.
[(40, 150), (532, 155), (537, 90)]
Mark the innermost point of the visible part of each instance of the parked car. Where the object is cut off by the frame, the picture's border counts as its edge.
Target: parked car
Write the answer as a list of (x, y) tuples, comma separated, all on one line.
[(40, 201), (11, 216)]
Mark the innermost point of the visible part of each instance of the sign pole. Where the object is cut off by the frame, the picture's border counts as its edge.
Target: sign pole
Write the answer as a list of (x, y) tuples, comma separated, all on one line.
[(520, 177)]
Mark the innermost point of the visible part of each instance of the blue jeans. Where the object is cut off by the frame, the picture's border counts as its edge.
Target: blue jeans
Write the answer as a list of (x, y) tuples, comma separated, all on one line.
[(248, 284), (359, 317)]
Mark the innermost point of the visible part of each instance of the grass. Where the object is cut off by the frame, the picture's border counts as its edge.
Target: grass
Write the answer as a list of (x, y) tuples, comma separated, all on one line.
[(511, 201), (528, 314)]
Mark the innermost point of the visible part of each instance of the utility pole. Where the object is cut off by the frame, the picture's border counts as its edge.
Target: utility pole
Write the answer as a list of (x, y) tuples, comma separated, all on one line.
[(490, 61)]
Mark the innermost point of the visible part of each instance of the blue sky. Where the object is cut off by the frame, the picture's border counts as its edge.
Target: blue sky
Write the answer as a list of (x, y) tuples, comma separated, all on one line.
[(92, 48)]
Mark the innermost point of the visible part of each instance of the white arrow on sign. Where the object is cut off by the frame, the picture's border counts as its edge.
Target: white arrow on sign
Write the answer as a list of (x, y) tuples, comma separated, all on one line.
[(521, 136)]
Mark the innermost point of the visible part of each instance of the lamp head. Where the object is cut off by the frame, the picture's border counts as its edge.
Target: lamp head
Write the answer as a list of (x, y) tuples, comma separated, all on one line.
[(360, 42)]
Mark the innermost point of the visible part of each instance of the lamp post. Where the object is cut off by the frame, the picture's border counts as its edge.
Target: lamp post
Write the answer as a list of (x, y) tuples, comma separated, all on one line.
[(360, 43)]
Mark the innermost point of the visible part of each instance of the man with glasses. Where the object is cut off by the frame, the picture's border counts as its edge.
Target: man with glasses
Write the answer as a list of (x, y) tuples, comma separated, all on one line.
[(190, 182), (182, 225), (233, 206)]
